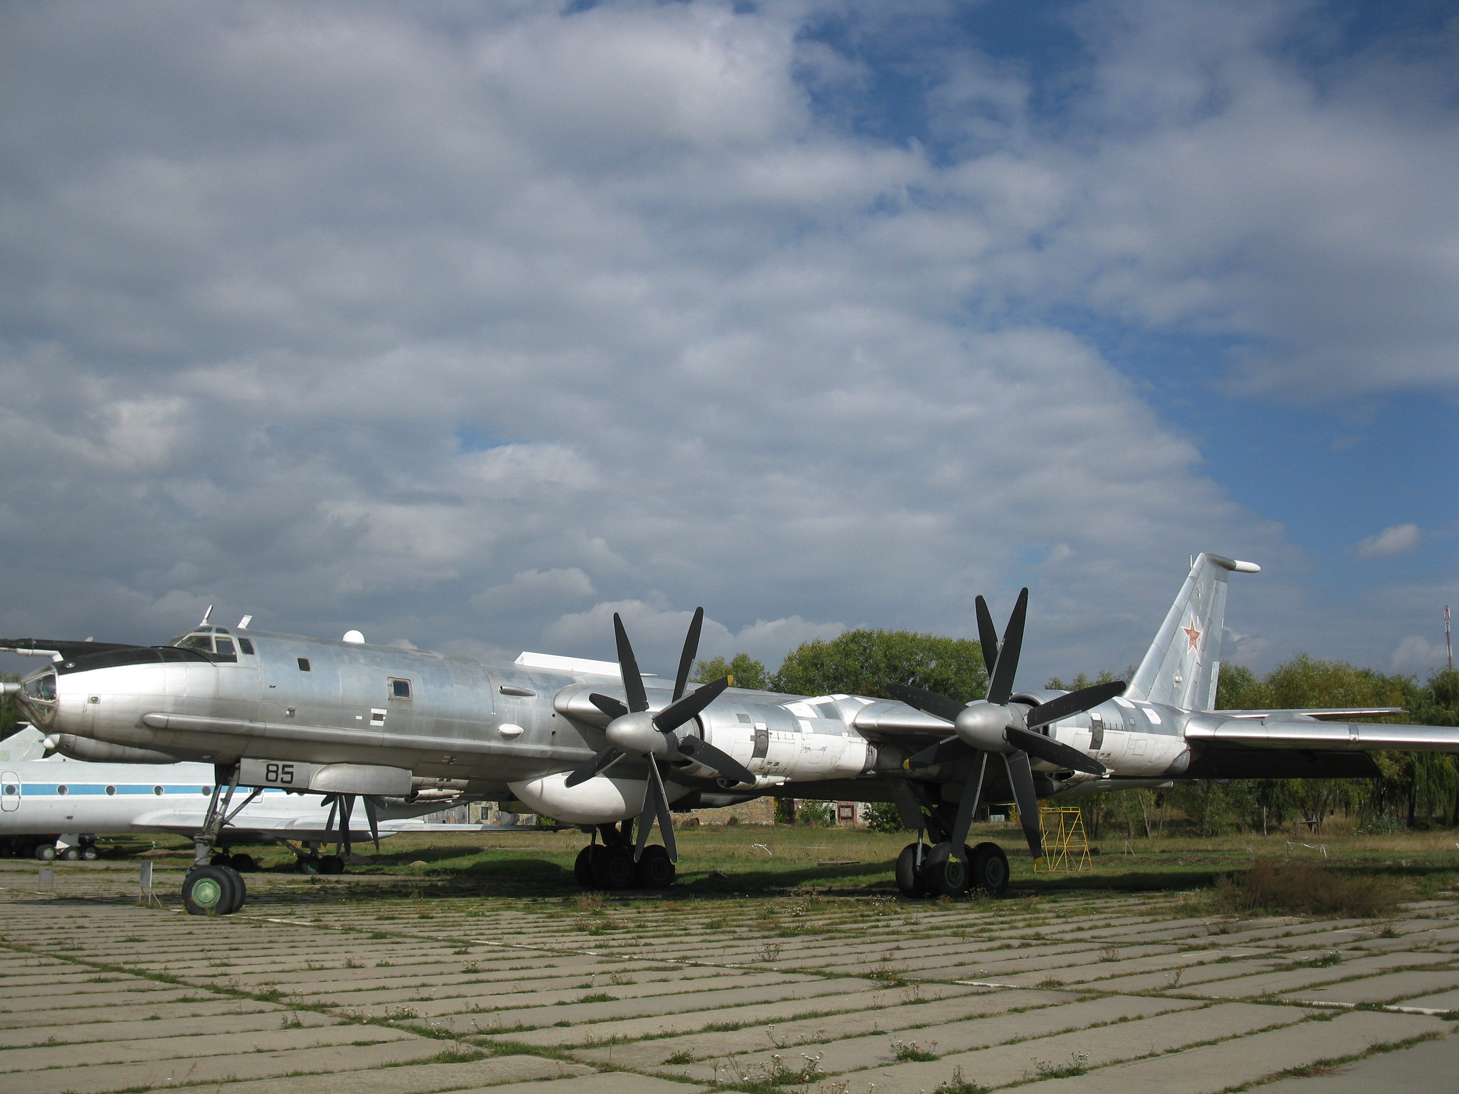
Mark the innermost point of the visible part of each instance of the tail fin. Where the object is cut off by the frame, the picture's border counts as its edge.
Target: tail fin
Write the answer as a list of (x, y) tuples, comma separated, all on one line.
[(1184, 661)]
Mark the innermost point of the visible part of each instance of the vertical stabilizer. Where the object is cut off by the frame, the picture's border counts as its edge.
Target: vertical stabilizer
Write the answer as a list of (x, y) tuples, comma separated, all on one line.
[(1183, 662)]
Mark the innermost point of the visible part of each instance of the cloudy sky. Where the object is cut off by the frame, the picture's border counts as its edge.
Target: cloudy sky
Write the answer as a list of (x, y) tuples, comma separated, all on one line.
[(469, 324)]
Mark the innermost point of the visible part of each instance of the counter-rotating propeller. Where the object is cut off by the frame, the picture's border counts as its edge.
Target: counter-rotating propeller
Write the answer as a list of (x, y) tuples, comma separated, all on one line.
[(635, 732), (996, 724)]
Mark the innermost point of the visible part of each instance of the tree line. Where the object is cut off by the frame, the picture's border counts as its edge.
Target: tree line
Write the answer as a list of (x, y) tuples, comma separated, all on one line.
[(1413, 789)]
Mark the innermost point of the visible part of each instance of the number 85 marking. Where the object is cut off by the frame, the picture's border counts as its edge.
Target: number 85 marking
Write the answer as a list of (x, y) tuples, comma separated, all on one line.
[(283, 774)]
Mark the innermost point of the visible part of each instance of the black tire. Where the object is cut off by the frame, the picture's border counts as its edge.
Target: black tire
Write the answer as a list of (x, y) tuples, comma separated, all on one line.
[(613, 868), (70, 854), (207, 890), (655, 870), (46, 853), (942, 874), (240, 890), (309, 864), (244, 864), (88, 854), (222, 858), (582, 868), (969, 884), (990, 869), (331, 864), (909, 881)]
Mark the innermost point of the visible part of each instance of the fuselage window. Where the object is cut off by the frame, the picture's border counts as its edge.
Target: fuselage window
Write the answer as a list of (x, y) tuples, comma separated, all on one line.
[(246, 645), (11, 788), (63, 790), (111, 790), (399, 689), (157, 790), (303, 664), (225, 646)]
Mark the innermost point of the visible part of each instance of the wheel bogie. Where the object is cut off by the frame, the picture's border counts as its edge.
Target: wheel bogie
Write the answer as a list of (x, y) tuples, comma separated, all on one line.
[(909, 873), (984, 867), (331, 864), (943, 874), (45, 852)]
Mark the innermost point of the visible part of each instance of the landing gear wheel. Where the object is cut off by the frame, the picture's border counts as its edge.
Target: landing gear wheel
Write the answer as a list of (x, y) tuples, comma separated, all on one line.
[(240, 890), (969, 884), (309, 864), (331, 864), (909, 881), (208, 890), (46, 853), (942, 874), (990, 869), (88, 854), (582, 868), (244, 864), (222, 858), (613, 868), (71, 854), (655, 870)]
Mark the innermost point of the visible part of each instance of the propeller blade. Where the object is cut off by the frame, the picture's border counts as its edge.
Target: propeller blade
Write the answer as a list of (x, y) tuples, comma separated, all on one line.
[(972, 789), (632, 678), (676, 714), (1076, 702), (646, 817), (661, 803), (608, 705), (987, 636), (596, 766), (1000, 687), (346, 811), (686, 661), (702, 752), (954, 748), (1055, 752), (1027, 799), (373, 816), (939, 705)]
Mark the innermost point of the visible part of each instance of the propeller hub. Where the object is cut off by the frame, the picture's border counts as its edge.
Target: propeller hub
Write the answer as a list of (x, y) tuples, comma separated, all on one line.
[(981, 725), (637, 735)]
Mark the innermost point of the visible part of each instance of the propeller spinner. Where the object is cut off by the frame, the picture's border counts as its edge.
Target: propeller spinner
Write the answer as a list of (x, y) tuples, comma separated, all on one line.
[(634, 731), (997, 724)]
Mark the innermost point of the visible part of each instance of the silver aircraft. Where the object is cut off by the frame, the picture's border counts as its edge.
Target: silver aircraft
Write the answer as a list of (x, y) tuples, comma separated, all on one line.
[(594, 744)]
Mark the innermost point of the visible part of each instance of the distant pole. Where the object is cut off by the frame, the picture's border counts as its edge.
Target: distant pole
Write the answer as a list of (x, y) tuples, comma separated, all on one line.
[(1448, 638)]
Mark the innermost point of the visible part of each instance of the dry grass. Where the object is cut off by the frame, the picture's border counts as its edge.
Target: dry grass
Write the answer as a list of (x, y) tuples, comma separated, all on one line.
[(1305, 888)]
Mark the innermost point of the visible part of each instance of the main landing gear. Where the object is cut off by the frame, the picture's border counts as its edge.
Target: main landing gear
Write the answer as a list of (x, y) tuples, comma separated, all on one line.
[(930, 869), (609, 865)]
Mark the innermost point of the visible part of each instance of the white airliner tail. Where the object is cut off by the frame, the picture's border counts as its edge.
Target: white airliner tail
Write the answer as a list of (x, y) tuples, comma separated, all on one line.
[(1183, 664)]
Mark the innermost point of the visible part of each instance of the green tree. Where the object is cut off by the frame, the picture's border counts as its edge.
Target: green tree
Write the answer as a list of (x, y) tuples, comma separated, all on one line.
[(744, 672), (883, 817), (863, 662)]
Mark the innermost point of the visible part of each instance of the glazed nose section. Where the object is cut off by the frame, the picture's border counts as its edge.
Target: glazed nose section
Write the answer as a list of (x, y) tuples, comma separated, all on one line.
[(37, 694)]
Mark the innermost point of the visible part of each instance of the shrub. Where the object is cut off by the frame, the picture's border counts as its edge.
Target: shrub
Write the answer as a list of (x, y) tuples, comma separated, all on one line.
[(883, 817), (1274, 886), (817, 814)]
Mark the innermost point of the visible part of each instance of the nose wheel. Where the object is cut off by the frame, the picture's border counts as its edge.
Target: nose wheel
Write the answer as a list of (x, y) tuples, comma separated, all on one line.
[(213, 890)]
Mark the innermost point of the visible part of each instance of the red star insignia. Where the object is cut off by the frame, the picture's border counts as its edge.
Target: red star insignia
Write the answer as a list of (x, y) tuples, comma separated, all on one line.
[(1193, 634)]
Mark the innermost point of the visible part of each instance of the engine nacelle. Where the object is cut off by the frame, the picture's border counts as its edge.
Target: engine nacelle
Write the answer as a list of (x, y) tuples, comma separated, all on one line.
[(602, 800), (84, 748)]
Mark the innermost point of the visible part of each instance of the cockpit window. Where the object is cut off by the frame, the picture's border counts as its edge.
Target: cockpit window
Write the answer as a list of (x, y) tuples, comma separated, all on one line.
[(203, 641), (42, 688)]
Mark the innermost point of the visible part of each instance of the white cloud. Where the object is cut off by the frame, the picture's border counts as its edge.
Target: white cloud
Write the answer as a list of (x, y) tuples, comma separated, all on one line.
[(352, 318), (1416, 654), (1390, 541)]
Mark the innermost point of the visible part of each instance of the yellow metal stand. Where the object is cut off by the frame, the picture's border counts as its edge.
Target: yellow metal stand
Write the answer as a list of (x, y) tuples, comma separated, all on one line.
[(1066, 846)]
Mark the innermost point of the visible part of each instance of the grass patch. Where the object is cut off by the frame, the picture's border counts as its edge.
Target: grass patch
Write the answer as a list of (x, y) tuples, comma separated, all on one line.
[(1276, 887)]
